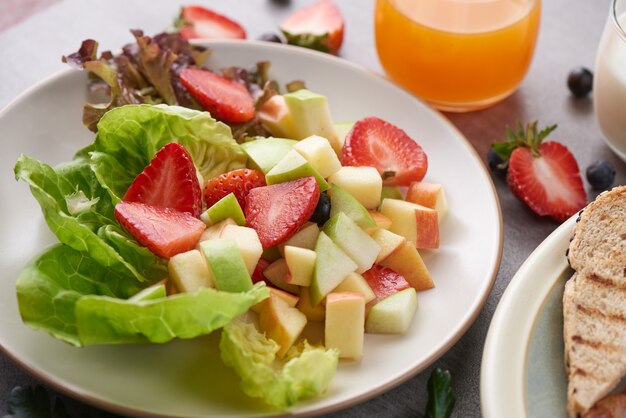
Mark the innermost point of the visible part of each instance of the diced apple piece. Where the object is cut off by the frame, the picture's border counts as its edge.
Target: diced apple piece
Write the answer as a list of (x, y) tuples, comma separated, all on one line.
[(342, 129), (281, 323), (291, 300), (318, 152), (355, 242), (354, 282), (430, 195), (277, 272), (306, 237), (381, 221), (342, 201), (345, 323), (384, 282), (265, 153), (394, 314), (331, 266), (189, 271), (248, 242), (315, 313), (301, 263), (390, 192), (364, 183), (275, 117), (226, 265), (388, 241), (226, 207), (214, 231), (293, 166), (407, 262), (416, 223)]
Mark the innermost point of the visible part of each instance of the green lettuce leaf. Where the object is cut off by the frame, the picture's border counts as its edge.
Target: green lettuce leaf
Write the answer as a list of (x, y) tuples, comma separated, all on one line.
[(106, 320), (307, 372), (129, 136)]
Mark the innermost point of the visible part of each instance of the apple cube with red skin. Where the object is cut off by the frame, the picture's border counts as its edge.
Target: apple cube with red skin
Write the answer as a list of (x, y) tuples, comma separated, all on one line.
[(291, 300), (281, 322), (277, 273), (407, 262), (275, 117), (345, 323), (430, 195), (384, 282), (381, 220), (416, 223)]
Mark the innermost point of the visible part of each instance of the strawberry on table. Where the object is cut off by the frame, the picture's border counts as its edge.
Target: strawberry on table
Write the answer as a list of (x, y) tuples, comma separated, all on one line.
[(544, 175), (200, 22), (169, 181), (164, 231), (226, 99), (319, 26), (376, 143), (278, 211), (239, 182)]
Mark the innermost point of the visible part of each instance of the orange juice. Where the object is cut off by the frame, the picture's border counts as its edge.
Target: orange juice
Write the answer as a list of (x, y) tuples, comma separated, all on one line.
[(457, 54)]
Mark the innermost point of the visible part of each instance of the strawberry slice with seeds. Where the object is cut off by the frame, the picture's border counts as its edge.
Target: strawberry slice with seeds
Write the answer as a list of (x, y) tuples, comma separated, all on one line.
[(276, 212), (239, 182), (169, 181), (544, 175), (226, 99), (199, 22), (319, 26), (165, 231), (376, 143)]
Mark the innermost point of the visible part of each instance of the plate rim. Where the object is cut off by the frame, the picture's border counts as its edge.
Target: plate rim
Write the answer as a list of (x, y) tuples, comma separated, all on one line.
[(456, 333)]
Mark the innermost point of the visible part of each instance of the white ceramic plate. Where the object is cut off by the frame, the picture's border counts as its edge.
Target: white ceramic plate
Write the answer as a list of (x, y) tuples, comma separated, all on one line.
[(523, 371), (186, 378)]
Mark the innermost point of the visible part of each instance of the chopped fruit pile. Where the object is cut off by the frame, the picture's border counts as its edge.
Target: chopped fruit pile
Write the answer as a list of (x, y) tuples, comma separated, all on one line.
[(544, 175)]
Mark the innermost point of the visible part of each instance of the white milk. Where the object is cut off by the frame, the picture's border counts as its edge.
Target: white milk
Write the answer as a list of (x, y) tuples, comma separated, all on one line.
[(609, 86)]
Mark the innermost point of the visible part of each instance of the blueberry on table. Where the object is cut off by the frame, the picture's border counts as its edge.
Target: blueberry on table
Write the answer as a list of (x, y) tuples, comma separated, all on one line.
[(494, 160), (601, 175), (271, 37), (580, 81), (322, 210)]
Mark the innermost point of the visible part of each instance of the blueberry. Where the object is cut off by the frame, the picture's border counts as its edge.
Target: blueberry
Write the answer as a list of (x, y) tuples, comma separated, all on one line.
[(601, 175), (271, 37), (580, 81), (322, 210), (494, 161)]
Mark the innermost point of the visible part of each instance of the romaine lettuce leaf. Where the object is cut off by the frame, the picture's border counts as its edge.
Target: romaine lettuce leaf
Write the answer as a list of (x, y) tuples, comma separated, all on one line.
[(129, 136), (307, 372)]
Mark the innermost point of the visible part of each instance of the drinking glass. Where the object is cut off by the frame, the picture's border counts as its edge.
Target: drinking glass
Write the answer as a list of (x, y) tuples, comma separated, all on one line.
[(458, 55), (609, 84)]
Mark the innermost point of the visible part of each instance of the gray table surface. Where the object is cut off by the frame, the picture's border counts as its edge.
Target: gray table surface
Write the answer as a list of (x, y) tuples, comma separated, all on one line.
[(569, 36)]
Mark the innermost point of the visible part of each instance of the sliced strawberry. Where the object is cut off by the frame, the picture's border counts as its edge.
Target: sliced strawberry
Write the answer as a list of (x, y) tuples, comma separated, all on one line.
[(319, 26), (169, 181), (257, 274), (226, 99), (384, 282), (239, 182), (276, 212), (165, 231), (545, 175), (376, 143), (199, 22)]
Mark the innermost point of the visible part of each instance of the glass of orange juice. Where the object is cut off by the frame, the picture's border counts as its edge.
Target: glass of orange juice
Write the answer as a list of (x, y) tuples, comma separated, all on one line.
[(458, 55)]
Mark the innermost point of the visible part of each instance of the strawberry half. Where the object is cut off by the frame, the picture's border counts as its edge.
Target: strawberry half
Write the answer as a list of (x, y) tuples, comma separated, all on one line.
[(239, 182), (225, 99), (169, 181), (544, 175), (319, 26), (199, 22), (165, 231), (376, 143), (276, 212)]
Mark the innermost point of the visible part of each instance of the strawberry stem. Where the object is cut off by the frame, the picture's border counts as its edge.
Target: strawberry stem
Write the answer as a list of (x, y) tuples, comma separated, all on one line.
[(528, 137)]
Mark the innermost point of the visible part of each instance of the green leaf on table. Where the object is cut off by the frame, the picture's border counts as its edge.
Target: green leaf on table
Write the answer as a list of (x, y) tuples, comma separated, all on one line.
[(440, 396)]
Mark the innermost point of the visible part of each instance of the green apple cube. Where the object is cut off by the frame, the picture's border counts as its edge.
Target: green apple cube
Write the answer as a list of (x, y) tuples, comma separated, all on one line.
[(301, 263), (226, 264), (306, 237), (291, 167), (226, 207), (342, 201), (311, 116), (156, 291), (390, 192), (276, 118), (277, 273), (248, 242), (364, 183), (265, 153), (331, 266), (345, 324), (355, 242), (342, 129), (394, 314), (354, 282), (189, 272), (318, 152)]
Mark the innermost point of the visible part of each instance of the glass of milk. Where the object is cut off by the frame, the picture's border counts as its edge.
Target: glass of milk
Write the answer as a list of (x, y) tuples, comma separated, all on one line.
[(609, 85)]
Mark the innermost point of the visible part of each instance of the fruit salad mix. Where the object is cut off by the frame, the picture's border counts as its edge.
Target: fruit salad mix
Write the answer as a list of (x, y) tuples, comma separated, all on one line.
[(172, 227)]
